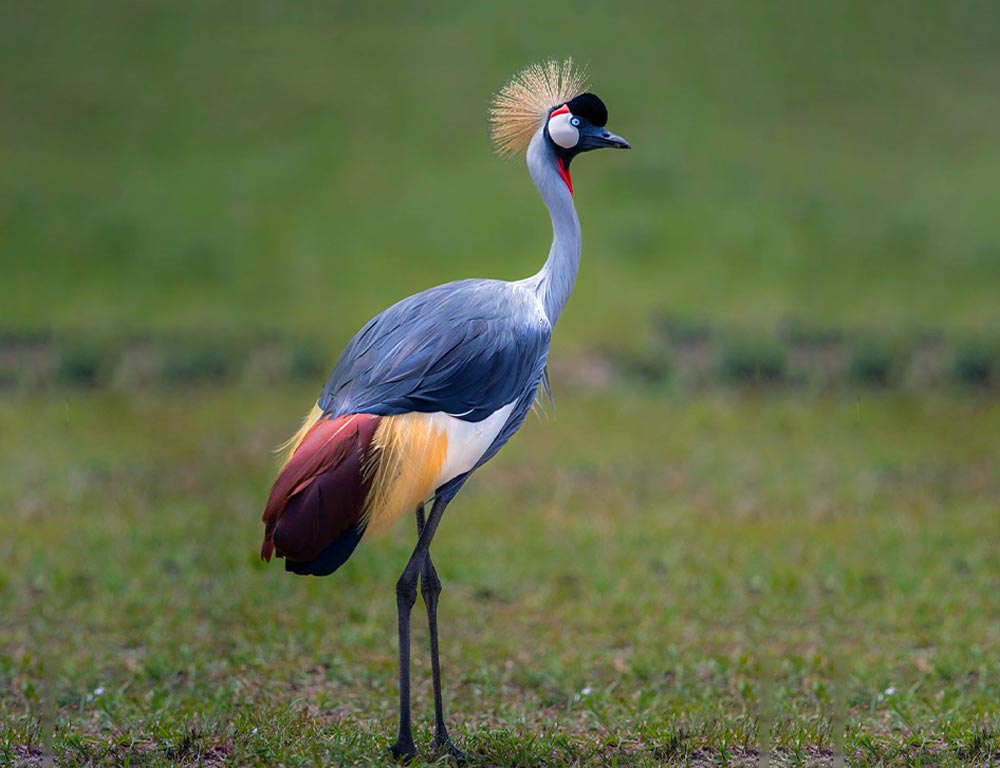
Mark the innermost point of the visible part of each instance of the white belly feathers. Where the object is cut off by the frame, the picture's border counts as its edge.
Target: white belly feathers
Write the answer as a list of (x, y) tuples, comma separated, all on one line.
[(467, 441)]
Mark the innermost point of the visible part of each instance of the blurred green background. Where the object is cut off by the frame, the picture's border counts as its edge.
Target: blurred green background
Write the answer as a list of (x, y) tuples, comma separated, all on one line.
[(665, 574), (263, 165)]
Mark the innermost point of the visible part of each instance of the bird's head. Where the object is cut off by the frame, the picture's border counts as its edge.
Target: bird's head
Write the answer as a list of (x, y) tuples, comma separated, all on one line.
[(578, 126), (551, 100)]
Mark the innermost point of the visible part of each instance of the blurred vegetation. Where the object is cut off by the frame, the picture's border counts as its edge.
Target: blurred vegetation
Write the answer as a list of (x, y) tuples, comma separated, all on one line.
[(299, 167), (684, 357), (976, 364), (872, 364), (744, 362)]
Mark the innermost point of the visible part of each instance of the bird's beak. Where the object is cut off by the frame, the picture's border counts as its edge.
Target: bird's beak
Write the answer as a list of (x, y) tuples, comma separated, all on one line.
[(608, 139), (599, 138)]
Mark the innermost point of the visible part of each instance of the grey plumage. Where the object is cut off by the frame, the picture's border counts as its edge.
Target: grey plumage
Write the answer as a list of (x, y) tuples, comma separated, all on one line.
[(466, 348)]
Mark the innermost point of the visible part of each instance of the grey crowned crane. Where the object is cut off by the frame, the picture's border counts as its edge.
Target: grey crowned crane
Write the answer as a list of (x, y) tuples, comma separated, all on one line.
[(430, 389)]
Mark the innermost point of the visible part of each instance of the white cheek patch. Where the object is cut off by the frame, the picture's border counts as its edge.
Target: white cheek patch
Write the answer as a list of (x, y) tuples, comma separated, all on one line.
[(562, 131)]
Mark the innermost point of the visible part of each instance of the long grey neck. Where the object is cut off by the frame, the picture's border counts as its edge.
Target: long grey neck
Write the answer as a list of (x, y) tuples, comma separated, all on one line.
[(554, 283)]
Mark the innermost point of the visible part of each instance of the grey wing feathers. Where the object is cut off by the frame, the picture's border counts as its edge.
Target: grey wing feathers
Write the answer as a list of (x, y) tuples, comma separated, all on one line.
[(466, 348)]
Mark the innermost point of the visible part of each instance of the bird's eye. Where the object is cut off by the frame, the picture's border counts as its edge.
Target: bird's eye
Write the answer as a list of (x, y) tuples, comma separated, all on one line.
[(575, 122)]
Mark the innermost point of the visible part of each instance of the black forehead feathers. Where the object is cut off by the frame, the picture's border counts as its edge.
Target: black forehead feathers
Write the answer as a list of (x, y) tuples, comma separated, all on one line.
[(589, 106)]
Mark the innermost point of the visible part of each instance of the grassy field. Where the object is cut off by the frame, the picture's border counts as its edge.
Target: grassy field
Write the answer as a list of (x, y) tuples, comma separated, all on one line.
[(247, 165), (606, 602), (689, 565)]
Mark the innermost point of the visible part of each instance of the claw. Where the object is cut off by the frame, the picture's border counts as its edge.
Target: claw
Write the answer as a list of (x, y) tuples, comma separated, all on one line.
[(403, 753), (452, 749)]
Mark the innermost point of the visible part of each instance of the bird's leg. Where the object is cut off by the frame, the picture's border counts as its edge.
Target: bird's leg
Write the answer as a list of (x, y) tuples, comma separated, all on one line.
[(430, 588), (406, 596)]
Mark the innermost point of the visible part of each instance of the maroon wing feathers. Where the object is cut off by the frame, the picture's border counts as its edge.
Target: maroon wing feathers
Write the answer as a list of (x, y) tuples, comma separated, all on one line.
[(321, 490)]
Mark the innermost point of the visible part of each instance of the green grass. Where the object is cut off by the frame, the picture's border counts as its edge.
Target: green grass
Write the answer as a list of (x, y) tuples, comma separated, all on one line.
[(246, 165), (638, 582)]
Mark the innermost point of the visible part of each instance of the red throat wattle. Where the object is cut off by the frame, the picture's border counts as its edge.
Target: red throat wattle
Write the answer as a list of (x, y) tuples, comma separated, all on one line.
[(564, 172)]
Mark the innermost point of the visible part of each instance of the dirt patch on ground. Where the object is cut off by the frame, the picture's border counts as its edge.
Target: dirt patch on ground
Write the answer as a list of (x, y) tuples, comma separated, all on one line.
[(27, 756), (185, 753), (735, 757)]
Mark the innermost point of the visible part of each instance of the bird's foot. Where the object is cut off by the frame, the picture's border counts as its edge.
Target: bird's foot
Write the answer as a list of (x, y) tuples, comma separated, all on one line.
[(403, 751), (445, 744)]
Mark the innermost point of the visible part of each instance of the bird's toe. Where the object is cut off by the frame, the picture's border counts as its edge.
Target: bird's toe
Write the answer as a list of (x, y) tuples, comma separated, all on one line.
[(403, 752), (447, 745)]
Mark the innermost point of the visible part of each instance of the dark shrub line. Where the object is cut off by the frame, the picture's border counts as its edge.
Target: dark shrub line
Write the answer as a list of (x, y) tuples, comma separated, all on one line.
[(33, 360), (685, 355)]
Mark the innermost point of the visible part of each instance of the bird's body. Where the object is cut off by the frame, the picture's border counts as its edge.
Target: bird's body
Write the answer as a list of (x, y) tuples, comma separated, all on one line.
[(451, 387), (431, 388), (481, 351)]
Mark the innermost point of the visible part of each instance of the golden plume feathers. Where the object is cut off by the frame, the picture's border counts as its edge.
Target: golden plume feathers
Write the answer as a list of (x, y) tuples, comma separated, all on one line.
[(292, 444), (407, 453), (520, 107)]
